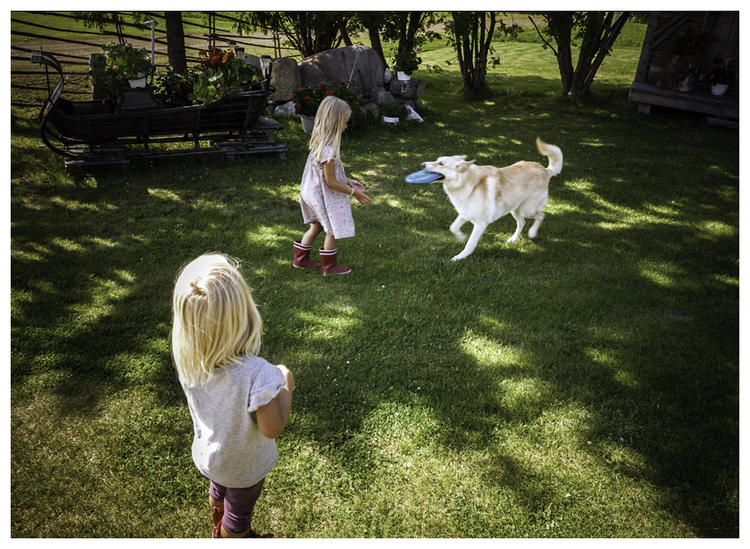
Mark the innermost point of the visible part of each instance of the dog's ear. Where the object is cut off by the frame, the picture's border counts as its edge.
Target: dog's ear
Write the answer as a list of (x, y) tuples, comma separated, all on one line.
[(463, 166)]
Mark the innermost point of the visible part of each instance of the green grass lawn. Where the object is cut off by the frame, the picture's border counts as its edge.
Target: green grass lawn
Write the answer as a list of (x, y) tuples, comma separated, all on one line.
[(584, 384)]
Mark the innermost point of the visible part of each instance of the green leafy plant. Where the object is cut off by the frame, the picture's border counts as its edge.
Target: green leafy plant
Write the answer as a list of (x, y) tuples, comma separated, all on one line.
[(724, 72), (394, 109), (407, 61), (118, 62), (175, 88), (307, 99), (693, 43), (220, 73)]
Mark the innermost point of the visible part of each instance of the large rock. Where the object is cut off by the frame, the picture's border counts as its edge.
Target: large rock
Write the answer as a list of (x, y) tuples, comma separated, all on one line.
[(409, 89), (285, 78), (285, 110), (381, 95), (358, 64)]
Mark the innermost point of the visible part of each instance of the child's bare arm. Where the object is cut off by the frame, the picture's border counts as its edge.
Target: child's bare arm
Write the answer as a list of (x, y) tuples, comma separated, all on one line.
[(329, 171), (273, 416)]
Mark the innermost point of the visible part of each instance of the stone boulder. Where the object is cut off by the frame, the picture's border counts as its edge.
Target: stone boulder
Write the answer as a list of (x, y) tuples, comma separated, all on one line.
[(381, 95), (285, 110), (358, 64), (408, 89), (285, 79)]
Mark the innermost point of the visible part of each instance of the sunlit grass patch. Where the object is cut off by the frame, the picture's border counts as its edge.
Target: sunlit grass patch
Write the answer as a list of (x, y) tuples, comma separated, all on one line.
[(583, 384)]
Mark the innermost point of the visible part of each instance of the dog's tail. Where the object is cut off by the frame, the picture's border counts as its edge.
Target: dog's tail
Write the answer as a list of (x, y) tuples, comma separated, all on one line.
[(554, 154)]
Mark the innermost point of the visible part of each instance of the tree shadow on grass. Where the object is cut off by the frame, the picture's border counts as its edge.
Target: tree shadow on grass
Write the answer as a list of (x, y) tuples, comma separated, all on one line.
[(397, 332), (673, 405)]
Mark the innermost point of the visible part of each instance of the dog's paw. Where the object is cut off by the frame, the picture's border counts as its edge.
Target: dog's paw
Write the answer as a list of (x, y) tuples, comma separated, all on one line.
[(457, 257), (512, 239), (460, 236)]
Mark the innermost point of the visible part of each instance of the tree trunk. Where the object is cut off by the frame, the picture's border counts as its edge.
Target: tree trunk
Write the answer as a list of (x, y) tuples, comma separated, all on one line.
[(175, 41), (473, 44), (344, 34), (376, 44), (597, 34)]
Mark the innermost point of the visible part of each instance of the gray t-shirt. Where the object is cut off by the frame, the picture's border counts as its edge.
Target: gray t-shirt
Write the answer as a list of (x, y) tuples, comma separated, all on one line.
[(228, 447)]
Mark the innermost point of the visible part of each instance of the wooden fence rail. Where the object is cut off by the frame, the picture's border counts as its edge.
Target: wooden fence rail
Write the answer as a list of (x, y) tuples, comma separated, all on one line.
[(28, 82)]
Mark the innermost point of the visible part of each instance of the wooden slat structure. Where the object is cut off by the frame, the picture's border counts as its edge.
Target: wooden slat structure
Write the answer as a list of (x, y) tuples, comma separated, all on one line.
[(96, 132), (665, 29)]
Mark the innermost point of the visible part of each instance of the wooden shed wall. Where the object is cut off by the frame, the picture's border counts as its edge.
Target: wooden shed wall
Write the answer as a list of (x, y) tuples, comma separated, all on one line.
[(665, 29)]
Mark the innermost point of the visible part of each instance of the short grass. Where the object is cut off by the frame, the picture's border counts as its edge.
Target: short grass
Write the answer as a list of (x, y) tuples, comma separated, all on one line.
[(584, 384)]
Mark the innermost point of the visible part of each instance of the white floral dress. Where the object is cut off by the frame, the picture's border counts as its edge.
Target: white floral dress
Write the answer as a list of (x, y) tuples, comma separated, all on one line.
[(320, 203)]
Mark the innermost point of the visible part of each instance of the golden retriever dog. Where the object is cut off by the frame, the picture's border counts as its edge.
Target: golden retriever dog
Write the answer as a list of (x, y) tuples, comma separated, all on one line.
[(483, 194)]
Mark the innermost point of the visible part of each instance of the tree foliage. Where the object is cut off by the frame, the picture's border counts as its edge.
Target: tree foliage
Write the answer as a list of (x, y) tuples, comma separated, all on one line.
[(102, 20), (308, 32), (596, 31), (408, 29)]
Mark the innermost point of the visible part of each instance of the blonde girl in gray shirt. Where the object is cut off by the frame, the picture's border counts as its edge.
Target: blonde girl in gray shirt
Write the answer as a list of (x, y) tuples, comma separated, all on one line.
[(238, 401)]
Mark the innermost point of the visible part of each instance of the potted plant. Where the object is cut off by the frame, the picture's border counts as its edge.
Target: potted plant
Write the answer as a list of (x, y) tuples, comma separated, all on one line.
[(721, 76), (394, 111), (220, 73), (121, 62), (174, 88), (682, 65), (406, 63), (307, 99)]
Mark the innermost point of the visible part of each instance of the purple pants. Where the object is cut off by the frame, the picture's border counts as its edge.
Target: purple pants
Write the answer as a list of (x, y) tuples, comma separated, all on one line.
[(238, 505)]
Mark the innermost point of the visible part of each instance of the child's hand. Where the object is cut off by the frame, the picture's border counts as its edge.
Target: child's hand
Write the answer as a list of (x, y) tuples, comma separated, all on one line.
[(287, 376), (356, 184), (362, 198)]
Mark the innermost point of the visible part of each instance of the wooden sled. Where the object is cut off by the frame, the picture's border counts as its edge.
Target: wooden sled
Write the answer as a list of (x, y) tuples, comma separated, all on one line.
[(139, 125)]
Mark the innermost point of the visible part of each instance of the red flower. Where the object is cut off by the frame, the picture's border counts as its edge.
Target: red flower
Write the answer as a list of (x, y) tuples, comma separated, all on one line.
[(329, 92)]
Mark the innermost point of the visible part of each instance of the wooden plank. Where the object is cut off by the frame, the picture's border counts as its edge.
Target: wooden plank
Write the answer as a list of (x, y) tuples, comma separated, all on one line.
[(694, 101), (714, 121)]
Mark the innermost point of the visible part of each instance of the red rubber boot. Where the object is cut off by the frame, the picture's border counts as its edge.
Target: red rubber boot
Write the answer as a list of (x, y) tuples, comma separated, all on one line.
[(331, 265), (302, 257)]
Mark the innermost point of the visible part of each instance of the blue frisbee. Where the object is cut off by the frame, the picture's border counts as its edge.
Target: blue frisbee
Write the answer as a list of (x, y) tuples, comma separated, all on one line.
[(423, 176)]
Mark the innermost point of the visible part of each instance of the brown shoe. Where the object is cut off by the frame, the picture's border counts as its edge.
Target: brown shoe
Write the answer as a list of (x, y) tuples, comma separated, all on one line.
[(250, 533)]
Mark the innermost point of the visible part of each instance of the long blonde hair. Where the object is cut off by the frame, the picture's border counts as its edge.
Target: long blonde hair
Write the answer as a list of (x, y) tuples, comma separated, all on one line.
[(215, 321), (330, 122)]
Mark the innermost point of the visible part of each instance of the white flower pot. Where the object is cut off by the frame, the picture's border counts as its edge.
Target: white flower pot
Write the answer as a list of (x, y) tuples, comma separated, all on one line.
[(403, 76), (139, 82), (719, 89), (308, 123)]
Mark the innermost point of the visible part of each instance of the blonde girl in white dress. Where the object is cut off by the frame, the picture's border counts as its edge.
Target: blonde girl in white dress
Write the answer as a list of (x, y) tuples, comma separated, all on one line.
[(325, 190)]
